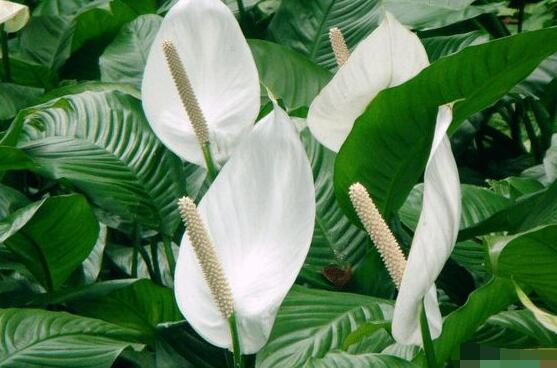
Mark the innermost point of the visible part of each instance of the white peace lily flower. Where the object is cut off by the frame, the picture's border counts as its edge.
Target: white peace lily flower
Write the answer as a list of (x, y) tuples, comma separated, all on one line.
[(390, 56), (13, 16), (259, 215), (222, 73)]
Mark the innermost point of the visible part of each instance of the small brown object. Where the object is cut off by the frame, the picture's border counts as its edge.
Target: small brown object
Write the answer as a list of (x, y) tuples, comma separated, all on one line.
[(338, 276)]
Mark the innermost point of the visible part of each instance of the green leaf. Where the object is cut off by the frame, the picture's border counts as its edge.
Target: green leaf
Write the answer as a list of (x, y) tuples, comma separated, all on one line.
[(429, 14), (51, 237), (545, 318), (515, 187), (473, 257), (440, 46), (530, 211), (124, 60), (515, 329), (10, 201), (32, 338), (310, 323), (336, 359), (529, 258), (91, 267), (399, 123), (289, 76), (55, 33), (478, 204), (178, 346), (335, 240), (15, 97), (460, 325), (30, 74), (365, 330), (140, 306), (304, 25), (109, 153), (62, 28), (122, 259), (90, 86)]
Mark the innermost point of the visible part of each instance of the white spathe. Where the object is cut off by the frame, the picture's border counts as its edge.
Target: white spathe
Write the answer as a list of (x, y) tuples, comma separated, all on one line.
[(259, 213), (222, 72), (433, 240), (389, 56), (13, 16)]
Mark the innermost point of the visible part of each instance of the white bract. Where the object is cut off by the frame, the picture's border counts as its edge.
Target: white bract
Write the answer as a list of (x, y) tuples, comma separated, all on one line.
[(259, 213), (390, 56), (222, 73), (13, 16)]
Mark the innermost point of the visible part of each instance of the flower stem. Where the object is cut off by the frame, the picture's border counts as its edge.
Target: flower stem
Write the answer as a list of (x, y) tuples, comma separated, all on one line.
[(211, 167), (5, 55), (426, 339), (238, 359), (241, 10), (169, 254), (156, 266)]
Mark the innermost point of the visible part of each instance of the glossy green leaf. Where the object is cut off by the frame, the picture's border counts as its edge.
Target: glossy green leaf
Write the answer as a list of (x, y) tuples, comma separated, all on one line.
[(289, 76), (140, 306), (310, 323), (90, 86), (365, 330), (91, 267), (530, 211), (515, 329), (529, 258), (399, 122), (63, 27), (178, 346), (460, 325), (124, 59), (10, 200), (51, 237), (336, 359), (122, 259), (304, 25), (478, 204), (30, 74), (15, 97), (34, 338), (109, 153), (440, 46)]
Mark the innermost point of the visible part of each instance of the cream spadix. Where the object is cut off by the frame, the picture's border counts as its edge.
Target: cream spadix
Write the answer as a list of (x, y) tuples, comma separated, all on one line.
[(207, 257), (390, 56), (186, 93), (259, 214), (209, 46), (379, 232), (338, 45), (13, 16)]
